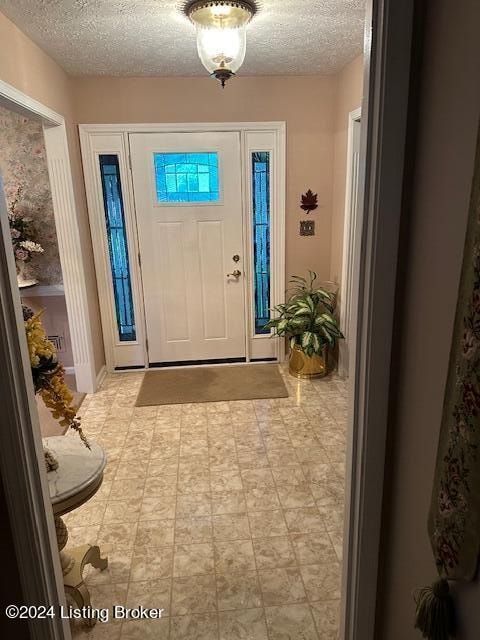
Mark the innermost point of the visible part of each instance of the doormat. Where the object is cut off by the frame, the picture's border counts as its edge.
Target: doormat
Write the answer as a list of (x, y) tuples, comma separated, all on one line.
[(211, 384)]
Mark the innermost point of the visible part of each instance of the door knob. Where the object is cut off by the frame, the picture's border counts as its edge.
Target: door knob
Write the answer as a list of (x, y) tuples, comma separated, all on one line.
[(236, 274)]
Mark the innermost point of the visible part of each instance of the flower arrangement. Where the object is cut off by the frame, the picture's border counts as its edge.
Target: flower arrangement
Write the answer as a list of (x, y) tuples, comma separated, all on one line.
[(49, 379), (22, 232)]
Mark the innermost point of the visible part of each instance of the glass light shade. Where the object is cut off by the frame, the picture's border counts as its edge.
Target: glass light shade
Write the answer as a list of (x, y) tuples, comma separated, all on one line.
[(221, 48), (221, 34)]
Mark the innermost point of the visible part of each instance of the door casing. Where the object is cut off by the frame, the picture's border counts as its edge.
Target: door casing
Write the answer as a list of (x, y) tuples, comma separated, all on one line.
[(114, 139)]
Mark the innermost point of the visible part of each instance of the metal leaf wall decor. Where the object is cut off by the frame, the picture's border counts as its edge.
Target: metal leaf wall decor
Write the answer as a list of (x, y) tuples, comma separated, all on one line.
[(309, 201)]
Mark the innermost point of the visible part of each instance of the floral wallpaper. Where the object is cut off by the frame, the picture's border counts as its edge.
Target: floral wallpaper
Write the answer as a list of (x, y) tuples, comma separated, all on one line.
[(23, 164)]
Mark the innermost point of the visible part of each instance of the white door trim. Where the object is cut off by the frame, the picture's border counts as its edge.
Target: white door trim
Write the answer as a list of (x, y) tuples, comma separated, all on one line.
[(108, 133), (389, 30), (66, 224), (350, 228)]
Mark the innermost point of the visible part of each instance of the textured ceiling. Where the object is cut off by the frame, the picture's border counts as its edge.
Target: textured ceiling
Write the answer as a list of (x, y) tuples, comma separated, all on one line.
[(153, 37)]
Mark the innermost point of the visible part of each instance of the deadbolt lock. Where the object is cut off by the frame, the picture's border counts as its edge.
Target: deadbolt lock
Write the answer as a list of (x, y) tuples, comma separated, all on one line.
[(236, 258)]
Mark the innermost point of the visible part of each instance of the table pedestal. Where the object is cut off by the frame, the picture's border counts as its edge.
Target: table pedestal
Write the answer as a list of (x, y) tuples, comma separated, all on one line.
[(73, 562)]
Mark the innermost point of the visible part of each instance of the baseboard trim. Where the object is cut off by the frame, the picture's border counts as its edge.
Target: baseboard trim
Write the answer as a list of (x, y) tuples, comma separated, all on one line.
[(70, 371), (101, 375)]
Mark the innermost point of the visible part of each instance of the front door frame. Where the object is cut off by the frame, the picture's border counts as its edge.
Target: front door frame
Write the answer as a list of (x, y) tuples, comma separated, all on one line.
[(117, 136)]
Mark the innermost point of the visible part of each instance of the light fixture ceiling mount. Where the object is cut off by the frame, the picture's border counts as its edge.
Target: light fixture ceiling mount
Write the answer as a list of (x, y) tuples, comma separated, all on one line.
[(221, 34)]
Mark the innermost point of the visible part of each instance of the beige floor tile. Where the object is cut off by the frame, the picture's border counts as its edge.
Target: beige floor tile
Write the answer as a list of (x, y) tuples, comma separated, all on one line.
[(106, 596), (221, 462), (157, 508), (117, 571), (253, 459), (243, 625), (89, 514), (271, 553), (161, 485), (337, 541), (194, 594), (291, 475), (254, 485), (193, 482), (329, 492), (327, 619), (234, 556), (153, 594), (333, 516), (226, 480), (145, 629), (83, 535), (154, 533), (193, 559), (238, 591), (281, 586), (151, 564), (120, 534), (127, 489), (202, 626), (266, 524), (290, 622), (101, 631), (192, 530), (257, 478), (312, 548), (294, 496), (129, 470), (231, 527), (306, 520), (262, 499), (194, 504), (322, 581), (228, 502)]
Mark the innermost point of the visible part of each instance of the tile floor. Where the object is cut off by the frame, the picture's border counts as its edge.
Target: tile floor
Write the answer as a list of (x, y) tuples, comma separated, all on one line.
[(227, 515)]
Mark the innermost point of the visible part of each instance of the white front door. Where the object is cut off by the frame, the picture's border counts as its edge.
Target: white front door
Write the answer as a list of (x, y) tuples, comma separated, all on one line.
[(188, 198)]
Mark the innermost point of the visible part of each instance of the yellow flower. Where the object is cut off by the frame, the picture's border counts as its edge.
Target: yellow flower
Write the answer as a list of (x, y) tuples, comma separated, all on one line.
[(55, 393)]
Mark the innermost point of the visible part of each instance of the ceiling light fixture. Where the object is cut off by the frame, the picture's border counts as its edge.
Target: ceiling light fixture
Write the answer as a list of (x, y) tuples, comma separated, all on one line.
[(221, 34)]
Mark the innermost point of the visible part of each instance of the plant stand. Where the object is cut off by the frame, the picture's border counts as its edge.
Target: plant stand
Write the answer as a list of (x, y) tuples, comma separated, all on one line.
[(76, 480)]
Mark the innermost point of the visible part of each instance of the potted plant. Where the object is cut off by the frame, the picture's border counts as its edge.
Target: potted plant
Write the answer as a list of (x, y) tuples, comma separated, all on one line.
[(307, 319)]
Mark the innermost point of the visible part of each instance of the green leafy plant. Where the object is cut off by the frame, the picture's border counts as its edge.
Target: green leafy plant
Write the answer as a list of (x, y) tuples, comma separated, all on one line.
[(307, 317)]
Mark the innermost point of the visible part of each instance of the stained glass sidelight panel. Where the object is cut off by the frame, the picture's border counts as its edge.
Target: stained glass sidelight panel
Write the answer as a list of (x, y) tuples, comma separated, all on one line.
[(261, 238), (187, 177), (117, 247)]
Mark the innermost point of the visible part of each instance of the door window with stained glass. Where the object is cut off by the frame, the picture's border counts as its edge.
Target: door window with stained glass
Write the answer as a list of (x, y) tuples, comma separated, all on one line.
[(187, 177), (117, 246), (261, 238)]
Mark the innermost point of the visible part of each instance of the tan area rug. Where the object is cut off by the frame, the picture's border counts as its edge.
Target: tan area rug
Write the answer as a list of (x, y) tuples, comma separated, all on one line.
[(211, 384)]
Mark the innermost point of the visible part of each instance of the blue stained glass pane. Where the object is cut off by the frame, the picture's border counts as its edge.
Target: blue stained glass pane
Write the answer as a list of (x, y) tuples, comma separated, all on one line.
[(171, 183), (187, 177), (117, 247), (261, 238)]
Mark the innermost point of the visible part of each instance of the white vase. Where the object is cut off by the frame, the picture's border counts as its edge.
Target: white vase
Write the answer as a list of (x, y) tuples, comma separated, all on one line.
[(22, 279)]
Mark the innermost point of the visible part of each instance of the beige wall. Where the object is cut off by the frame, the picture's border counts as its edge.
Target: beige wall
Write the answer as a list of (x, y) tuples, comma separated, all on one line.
[(430, 265), (26, 67), (315, 109), (349, 91), (307, 104)]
